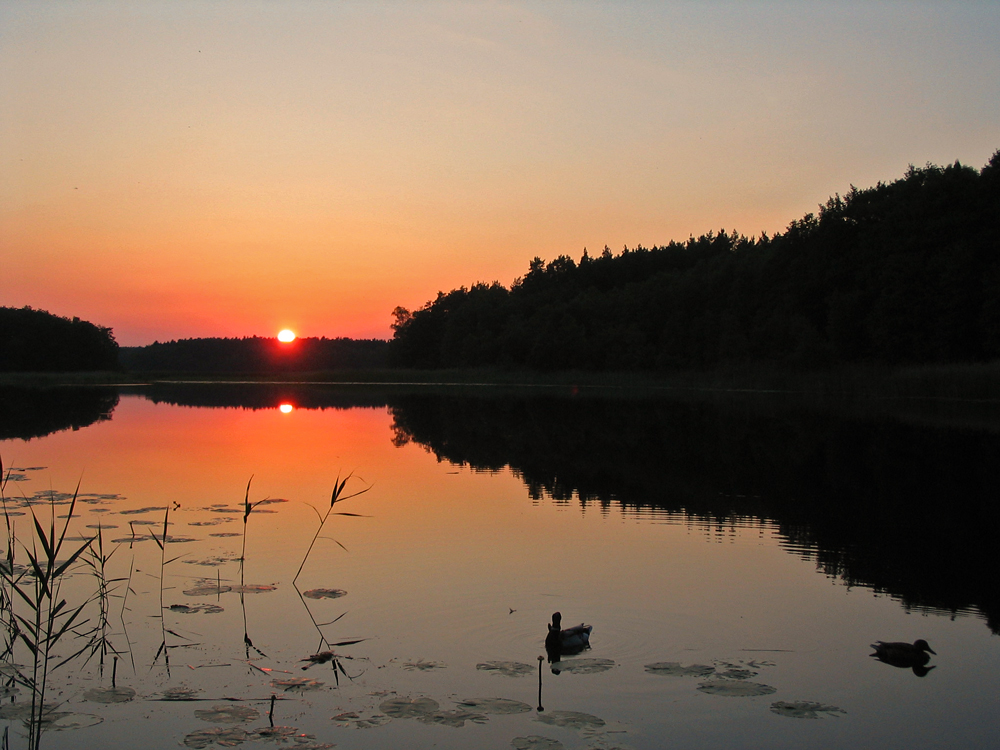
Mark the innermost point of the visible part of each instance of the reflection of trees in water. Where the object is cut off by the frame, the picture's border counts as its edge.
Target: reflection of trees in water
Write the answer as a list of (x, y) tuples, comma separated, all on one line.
[(27, 413), (908, 510)]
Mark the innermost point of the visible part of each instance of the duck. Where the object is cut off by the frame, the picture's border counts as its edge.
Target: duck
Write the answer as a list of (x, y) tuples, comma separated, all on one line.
[(901, 654), (567, 641)]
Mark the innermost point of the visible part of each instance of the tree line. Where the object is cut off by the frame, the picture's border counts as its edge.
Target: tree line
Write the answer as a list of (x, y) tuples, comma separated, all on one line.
[(903, 272), (38, 341), (255, 355)]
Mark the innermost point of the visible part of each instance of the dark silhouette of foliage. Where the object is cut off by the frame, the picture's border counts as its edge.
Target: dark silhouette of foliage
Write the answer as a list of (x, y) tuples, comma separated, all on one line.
[(255, 356), (905, 272), (906, 509), (37, 341), (27, 413)]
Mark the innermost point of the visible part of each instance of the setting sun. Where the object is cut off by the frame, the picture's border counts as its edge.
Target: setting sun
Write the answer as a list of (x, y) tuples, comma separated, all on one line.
[(286, 408), (286, 336)]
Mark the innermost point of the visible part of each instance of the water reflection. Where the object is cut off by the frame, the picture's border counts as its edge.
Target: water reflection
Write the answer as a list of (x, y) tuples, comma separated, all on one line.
[(27, 413), (904, 508)]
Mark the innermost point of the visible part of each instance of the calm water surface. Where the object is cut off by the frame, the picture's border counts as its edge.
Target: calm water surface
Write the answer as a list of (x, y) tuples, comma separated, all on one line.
[(769, 544)]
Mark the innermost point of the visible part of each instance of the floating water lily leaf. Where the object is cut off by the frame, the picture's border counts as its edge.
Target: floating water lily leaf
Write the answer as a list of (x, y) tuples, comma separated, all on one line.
[(207, 588), (570, 719), (805, 710), (496, 706), (100, 525), (192, 609), (213, 522), (213, 562), (64, 721), (109, 695), (225, 534), (227, 714), (139, 511), (422, 666), (350, 717), (676, 669), (324, 593), (535, 742), (8, 690), (408, 708), (454, 718), (737, 673), (507, 668), (278, 734), (132, 539), (297, 684), (221, 736), (254, 588), (583, 666), (736, 688), (180, 694)]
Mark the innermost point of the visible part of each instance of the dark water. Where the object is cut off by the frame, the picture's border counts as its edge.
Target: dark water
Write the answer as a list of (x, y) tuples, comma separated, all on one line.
[(756, 535)]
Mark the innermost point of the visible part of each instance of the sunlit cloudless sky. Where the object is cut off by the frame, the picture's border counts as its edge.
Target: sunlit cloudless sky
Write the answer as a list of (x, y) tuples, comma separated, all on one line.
[(183, 169)]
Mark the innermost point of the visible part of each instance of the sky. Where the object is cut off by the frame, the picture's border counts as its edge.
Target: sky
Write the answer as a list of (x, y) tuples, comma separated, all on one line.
[(213, 168)]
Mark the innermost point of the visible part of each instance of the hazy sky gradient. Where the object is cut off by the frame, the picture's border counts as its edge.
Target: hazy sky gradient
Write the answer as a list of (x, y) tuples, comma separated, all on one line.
[(176, 169)]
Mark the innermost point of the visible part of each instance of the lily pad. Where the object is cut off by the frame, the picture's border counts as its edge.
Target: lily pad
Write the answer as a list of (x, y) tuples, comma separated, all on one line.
[(496, 706), (109, 695), (324, 593), (535, 742), (192, 609), (736, 688), (65, 721), (227, 714), (408, 708), (350, 717), (132, 539), (221, 736), (297, 684), (736, 673), (676, 669), (507, 668), (207, 588), (805, 709), (583, 666), (213, 522), (225, 534), (213, 562), (570, 719), (180, 694), (454, 718), (276, 734), (140, 511), (422, 666), (254, 588)]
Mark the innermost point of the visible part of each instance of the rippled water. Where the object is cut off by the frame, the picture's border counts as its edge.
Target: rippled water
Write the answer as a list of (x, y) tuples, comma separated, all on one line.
[(757, 550)]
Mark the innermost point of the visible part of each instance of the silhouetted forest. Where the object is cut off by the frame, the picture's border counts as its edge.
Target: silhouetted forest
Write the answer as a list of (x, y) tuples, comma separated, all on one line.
[(902, 273), (903, 509), (38, 341), (255, 356), (27, 413)]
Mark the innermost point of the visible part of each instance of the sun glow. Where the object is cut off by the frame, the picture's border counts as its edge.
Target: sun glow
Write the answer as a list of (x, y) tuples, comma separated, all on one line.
[(286, 336), (286, 408)]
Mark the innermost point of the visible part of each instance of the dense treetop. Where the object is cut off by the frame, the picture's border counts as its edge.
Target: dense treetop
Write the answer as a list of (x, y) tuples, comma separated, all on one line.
[(903, 272), (255, 355), (37, 341)]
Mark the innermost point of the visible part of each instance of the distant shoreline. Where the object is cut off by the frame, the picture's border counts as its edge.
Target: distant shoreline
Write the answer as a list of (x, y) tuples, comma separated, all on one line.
[(958, 382)]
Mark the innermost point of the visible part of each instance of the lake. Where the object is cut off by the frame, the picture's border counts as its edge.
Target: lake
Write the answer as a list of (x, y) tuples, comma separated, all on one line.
[(736, 555)]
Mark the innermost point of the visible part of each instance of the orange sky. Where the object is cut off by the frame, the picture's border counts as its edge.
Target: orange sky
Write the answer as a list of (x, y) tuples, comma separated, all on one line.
[(176, 169)]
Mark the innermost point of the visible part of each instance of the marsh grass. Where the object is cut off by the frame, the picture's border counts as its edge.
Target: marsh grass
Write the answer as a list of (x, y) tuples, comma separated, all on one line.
[(337, 496), (161, 542), (36, 615)]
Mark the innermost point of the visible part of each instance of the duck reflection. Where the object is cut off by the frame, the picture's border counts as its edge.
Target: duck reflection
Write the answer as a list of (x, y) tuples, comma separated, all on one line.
[(561, 642), (905, 655)]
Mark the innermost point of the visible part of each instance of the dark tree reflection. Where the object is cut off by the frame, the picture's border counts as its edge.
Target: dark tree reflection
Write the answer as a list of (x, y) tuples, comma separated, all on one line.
[(902, 508)]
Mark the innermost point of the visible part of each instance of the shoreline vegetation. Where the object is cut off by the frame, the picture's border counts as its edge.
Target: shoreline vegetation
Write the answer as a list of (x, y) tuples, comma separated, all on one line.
[(975, 382)]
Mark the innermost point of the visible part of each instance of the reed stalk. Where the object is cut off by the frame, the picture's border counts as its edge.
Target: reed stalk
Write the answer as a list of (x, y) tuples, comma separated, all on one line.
[(337, 496)]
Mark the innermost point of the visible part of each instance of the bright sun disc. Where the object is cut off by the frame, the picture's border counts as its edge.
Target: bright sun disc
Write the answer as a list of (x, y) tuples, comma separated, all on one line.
[(286, 336), (286, 408)]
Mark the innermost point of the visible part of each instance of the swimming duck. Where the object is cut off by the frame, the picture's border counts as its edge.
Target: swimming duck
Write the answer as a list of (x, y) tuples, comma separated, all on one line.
[(901, 654), (569, 641)]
